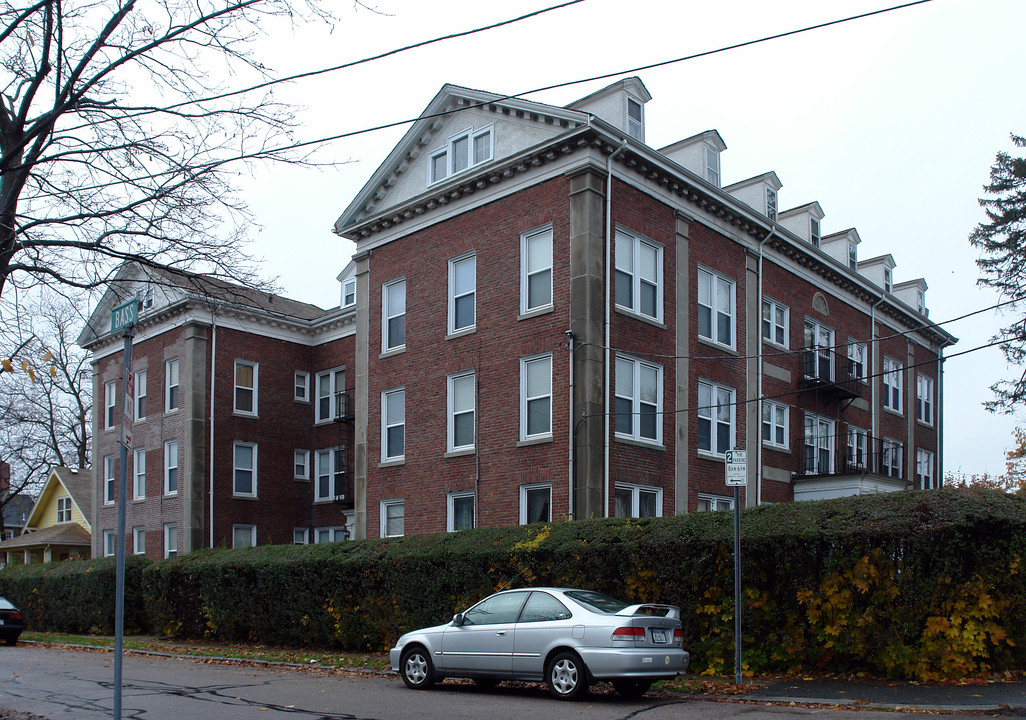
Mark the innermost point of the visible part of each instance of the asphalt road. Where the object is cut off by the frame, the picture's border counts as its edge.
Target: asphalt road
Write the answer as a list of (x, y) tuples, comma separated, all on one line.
[(59, 683)]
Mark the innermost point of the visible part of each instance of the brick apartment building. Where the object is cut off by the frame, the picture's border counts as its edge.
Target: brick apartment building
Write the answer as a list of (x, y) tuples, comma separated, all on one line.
[(496, 361)]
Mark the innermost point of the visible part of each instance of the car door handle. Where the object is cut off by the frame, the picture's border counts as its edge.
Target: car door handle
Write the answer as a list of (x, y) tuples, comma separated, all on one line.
[(500, 633)]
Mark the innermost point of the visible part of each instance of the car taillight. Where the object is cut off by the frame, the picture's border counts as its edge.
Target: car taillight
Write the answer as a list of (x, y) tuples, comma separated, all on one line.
[(628, 632), (16, 616), (678, 636)]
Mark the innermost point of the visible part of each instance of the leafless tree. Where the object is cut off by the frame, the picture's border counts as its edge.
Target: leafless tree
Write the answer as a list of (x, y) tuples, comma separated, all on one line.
[(119, 142)]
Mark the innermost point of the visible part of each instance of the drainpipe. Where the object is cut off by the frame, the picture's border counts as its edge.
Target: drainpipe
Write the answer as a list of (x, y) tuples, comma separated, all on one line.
[(571, 503), (758, 419), (608, 338), (477, 453), (938, 406), (874, 415), (213, 366)]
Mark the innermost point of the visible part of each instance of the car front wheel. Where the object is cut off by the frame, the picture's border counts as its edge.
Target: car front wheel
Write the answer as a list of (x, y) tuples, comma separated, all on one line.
[(416, 669), (566, 676)]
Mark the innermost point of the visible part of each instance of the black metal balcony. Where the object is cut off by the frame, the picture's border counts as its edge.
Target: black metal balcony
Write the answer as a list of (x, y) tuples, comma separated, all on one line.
[(829, 372), (881, 457)]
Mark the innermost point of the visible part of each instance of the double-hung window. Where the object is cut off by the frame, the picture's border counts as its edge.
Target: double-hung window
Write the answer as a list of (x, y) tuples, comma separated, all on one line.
[(814, 232), (716, 414), (924, 469), (635, 119), (110, 416), (170, 540), (171, 467), (393, 518), (857, 448), (819, 445), (139, 466), (460, 413), (853, 256), (459, 511), (393, 315), (536, 397), (139, 540), (639, 275), (639, 400), (170, 385), (393, 425), (891, 379), (774, 322), (891, 458), (536, 270), (331, 474), (63, 510), (109, 478), (246, 374), (110, 543), (336, 533), (140, 395), (774, 423), (637, 501), (301, 387), (818, 356), (712, 166), (462, 293), (715, 308), (535, 503), (857, 361), (330, 395), (771, 204), (245, 470), (463, 150), (924, 399), (301, 465), (349, 293)]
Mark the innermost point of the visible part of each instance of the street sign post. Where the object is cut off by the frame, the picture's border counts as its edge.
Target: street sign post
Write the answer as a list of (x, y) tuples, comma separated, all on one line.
[(737, 477)]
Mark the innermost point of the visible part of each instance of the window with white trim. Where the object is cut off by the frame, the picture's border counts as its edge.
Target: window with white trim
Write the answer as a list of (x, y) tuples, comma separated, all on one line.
[(393, 425), (301, 386), (244, 536), (110, 416), (818, 356), (140, 396), (246, 374), (535, 503), (331, 474), (637, 501), (170, 540), (330, 388), (536, 270), (716, 418), (110, 543), (924, 470), (139, 540), (460, 412), (858, 448), (393, 315), (171, 467), (393, 518), (109, 478), (774, 322), (63, 510), (814, 231), (712, 503), (771, 204), (639, 275), (139, 473), (635, 119), (301, 465), (891, 458), (461, 152), (459, 511), (774, 423), (244, 470), (639, 400), (536, 397), (857, 360), (888, 279), (462, 293), (349, 293), (853, 255), (891, 379), (716, 308), (300, 536), (171, 385), (335, 533), (924, 399), (712, 166), (819, 445)]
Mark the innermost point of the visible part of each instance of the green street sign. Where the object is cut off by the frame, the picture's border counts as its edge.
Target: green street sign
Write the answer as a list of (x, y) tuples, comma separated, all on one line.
[(124, 315)]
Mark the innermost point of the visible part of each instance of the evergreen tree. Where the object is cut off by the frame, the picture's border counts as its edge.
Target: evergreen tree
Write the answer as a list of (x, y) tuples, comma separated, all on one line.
[(1002, 242)]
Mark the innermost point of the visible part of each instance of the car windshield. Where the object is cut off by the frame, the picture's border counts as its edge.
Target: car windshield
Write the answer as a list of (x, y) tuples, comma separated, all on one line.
[(596, 601)]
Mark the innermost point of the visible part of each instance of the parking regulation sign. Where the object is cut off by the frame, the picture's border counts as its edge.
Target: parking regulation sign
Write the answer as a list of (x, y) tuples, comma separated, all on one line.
[(737, 467)]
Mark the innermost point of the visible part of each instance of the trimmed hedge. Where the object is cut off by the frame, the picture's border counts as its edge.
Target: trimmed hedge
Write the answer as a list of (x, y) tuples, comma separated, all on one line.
[(925, 585)]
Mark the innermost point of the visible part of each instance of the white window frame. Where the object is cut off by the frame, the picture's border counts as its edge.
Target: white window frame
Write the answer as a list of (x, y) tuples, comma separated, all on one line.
[(456, 296), (713, 503), (853, 255), (110, 477), (387, 398), (924, 469), (139, 411), (924, 399), (635, 126), (301, 464), (386, 506), (525, 490), (452, 411), (169, 466), (172, 388), (390, 313), (301, 536), (110, 543), (469, 158), (254, 410), (771, 204), (630, 271), (713, 398), (139, 474), (708, 302), (777, 424), (110, 401), (241, 529), (857, 453), (334, 381), (823, 437), (818, 339), (450, 509), (712, 166), (349, 291), (170, 540), (64, 510), (535, 265), (628, 390), (888, 279), (891, 458), (329, 460), (236, 469), (330, 534), (776, 321), (527, 401), (891, 378), (636, 491), (857, 366), (815, 232), (301, 386), (138, 540)]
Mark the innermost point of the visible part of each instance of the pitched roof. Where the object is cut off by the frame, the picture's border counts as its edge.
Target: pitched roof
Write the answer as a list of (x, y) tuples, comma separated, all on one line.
[(69, 534)]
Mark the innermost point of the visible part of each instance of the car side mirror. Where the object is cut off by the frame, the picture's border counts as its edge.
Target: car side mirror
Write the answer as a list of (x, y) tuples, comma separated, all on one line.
[(457, 619)]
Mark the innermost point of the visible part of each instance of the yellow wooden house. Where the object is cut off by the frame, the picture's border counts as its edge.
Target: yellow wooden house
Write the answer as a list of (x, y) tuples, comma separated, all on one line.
[(58, 526)]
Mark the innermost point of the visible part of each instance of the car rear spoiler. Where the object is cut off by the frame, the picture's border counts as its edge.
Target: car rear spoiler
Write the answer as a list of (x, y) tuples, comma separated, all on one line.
[(670, 611)]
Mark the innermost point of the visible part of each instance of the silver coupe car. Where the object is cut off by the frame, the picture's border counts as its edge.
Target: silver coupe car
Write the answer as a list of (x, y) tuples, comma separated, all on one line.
[(568, 639)]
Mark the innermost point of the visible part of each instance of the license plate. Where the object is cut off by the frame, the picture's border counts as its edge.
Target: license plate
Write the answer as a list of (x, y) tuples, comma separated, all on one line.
[(659, 636)]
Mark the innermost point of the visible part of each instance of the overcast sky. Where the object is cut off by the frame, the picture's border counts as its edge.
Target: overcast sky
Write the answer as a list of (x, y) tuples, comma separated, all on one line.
[(891, 123)]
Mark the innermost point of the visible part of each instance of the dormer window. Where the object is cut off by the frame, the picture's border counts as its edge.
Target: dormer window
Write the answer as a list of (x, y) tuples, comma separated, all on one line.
[(853, 257), (349, 292), (888, 280), (921, 302), (771, 204), (462, 151), (712, 166), (635, 120), (814, 235)]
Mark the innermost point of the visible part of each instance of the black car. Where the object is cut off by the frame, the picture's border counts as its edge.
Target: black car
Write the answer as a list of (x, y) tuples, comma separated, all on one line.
[(11, 622)]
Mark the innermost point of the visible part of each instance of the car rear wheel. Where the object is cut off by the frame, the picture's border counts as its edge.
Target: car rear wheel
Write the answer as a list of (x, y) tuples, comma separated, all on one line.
[(416, 669), (566, 676), (632, 688)]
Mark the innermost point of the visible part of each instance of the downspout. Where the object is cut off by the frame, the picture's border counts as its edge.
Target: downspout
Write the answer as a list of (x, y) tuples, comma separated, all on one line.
[(758, 418), (938, 411), (874, 415), (608, 339), (571, 503), (477, 454), (213, 367)]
